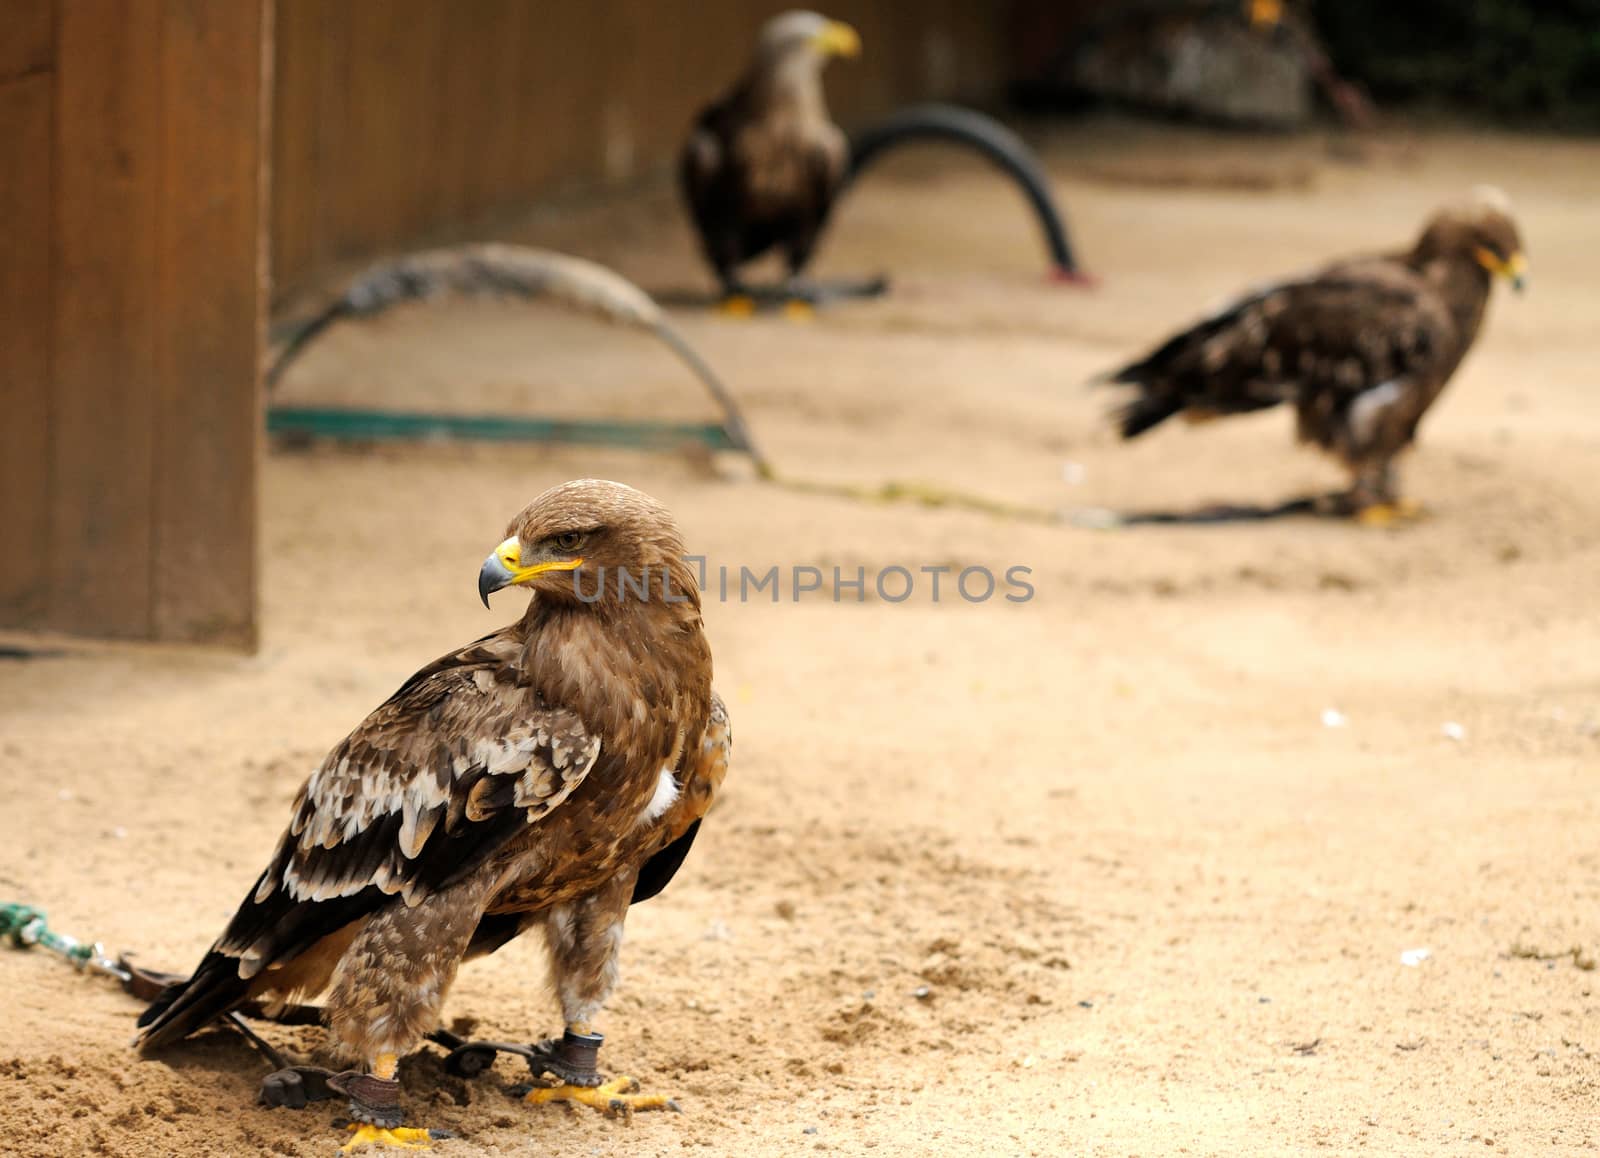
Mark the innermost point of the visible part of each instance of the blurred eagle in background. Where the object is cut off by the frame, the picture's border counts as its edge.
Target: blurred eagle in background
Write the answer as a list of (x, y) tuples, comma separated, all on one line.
[(544, 777), (762, 165), (1361, 349)]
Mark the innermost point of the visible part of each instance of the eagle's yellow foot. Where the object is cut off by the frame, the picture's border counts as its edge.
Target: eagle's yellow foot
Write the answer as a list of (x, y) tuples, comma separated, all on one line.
[(398, 1138), (737, 306), (799, 310), (619, 1096), (1391, 514)]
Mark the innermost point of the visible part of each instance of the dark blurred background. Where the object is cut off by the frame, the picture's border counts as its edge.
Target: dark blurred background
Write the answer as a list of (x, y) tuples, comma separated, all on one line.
[(1525, 62), (1521, 64)]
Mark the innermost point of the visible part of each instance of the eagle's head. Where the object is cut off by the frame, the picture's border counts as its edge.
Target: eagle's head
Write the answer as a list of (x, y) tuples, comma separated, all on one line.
[(807, 36), (582, 538), (1481, 231)]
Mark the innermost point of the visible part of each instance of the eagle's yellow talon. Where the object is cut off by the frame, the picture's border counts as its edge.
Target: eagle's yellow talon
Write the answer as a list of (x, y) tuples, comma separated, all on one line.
[(799, 310), (618, 1096), (1390, 514), (399, 1138), (737, 306)]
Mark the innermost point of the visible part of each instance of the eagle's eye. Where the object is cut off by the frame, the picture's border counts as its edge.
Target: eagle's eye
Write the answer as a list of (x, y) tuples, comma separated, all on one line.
[(568, 540)]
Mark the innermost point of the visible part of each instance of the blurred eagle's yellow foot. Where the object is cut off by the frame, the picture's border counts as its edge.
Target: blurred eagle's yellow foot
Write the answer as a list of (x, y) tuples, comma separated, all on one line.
[(1391, 514), (799, 310), (617, 1097), (737, 306), (396, 1138)]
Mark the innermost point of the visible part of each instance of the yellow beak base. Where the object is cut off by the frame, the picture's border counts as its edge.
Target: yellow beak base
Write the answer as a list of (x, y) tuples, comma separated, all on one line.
[(503, 568), (1514, 268), (838, 39)]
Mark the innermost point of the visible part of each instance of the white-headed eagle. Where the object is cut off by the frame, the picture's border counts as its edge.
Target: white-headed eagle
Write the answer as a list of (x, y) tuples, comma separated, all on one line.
[(763, 164)]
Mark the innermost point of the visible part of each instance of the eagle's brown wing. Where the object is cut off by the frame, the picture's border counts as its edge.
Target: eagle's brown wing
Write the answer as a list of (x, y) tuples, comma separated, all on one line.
[(702, 774), (710, 186), (451, 767), (1329, 338)]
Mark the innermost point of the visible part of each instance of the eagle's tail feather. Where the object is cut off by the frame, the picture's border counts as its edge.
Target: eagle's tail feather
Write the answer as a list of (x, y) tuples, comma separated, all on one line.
[(187, 1006), (1145, 411)]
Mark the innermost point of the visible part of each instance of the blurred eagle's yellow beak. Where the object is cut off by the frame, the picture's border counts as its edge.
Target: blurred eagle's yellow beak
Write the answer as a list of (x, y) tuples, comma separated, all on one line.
[(1514, 268), (837, 39)]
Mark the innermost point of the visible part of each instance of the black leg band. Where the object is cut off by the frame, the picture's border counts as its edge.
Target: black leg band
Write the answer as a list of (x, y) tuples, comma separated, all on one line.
[(372, 1100), (573, 1058)]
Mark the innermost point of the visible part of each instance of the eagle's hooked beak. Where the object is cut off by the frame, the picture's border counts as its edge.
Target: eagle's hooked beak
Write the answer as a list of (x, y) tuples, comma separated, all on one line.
[(1514, 268), (503, 568), (837, 39)]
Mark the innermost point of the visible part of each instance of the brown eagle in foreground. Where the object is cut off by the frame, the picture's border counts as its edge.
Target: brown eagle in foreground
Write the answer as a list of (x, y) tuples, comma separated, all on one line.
[(543, 777), (763, 164), (1360, 349)]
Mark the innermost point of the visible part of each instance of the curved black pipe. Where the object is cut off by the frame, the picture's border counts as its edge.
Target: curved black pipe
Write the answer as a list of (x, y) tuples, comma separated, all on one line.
[(935, 122), (522, 272), (302, 336)]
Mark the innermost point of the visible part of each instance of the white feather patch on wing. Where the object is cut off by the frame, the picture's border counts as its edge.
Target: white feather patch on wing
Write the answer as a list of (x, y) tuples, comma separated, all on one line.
[(500, 756), (419, 818), (666, 794), (546, 757), (1369, 407)]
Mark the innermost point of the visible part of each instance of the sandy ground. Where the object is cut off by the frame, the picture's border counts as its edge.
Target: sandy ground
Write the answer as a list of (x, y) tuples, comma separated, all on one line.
[(1087, 874)]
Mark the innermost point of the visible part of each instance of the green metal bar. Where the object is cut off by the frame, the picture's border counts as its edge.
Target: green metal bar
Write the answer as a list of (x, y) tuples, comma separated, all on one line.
[(389, 425)]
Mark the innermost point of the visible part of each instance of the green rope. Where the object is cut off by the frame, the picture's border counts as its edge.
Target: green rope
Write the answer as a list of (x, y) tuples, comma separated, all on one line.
[(25, 926)]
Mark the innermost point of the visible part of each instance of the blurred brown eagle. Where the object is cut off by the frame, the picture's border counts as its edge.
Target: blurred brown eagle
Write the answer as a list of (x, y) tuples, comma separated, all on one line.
[(1360, 349), (543, 777), (762, 165)]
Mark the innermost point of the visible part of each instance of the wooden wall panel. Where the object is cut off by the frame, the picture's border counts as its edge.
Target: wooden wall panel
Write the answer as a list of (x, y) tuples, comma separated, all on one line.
[(132, 290), (211, 297), (27, 38), (397, 118), (108, 135), (24, 345), (303, 100)]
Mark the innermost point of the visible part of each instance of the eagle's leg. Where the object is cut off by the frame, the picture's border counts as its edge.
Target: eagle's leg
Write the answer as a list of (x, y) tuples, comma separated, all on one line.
[(736, 304), (391, 984), (1374, 498), (799, 299), (801, 295), (1391, 514), (375, 1104), (737, 301), (584, 939)]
